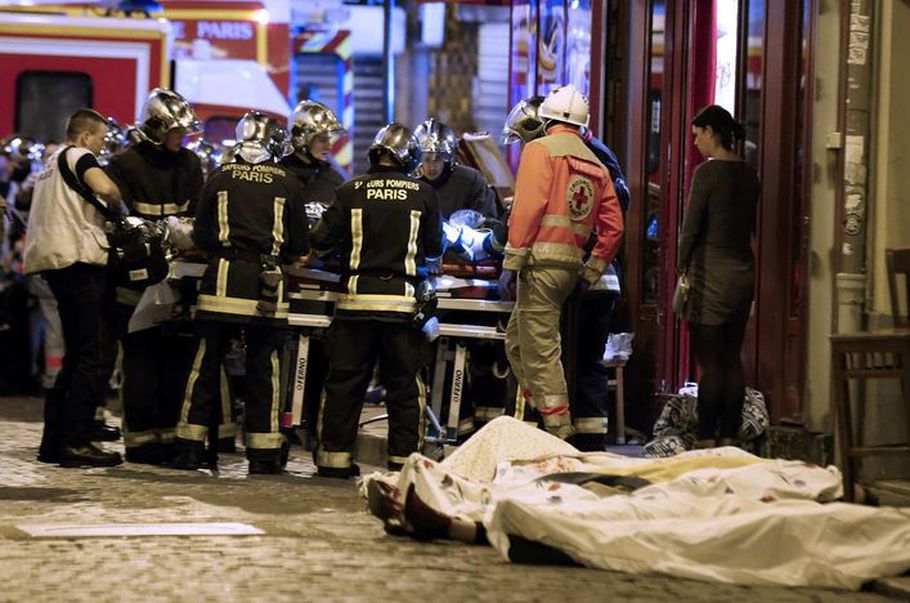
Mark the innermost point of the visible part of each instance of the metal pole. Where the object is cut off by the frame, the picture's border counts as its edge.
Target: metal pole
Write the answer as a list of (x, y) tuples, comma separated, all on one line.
[(388, 64), (851, 278)]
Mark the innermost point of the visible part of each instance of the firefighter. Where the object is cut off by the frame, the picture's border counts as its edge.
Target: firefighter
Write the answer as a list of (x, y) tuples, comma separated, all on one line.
[(563, 193), (386, 226), (313, 126), (461, 187), (591, 318), (458, 186), (158, 178), (249, 222)]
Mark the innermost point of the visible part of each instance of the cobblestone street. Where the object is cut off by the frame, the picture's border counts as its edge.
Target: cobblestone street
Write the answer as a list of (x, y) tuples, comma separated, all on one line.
[(318, 542)]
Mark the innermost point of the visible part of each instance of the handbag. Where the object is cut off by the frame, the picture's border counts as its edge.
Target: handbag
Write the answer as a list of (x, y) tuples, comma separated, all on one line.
[(681, 294)]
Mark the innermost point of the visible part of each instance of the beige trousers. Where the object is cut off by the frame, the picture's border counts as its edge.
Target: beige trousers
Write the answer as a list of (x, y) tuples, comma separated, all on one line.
[(533, 344)]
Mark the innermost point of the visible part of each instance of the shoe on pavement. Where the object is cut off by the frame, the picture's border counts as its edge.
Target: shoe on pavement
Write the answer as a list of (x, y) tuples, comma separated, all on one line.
[(339, 472), (52, 458), (188, 459), (88, 455), (263, 467), (150, 454), (102, 432)]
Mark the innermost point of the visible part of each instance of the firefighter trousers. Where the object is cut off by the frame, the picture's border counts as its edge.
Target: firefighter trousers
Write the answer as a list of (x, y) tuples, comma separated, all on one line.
[(590, 403), (533, 343), (262, 386), (353, 348), (156, 365)]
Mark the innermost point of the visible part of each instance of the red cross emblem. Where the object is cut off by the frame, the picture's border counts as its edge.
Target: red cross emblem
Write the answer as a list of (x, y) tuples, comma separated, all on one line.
[(580, 197)]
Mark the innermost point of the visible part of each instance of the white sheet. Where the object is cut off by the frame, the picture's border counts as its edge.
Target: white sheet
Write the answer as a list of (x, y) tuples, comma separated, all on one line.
[(721, 514)]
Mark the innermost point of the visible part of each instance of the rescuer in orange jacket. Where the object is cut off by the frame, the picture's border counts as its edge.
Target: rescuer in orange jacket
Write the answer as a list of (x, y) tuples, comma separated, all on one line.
[(563, 193)]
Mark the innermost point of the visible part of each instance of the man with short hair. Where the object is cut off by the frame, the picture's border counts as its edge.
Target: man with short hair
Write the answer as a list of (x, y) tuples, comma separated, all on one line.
[(68, 246)]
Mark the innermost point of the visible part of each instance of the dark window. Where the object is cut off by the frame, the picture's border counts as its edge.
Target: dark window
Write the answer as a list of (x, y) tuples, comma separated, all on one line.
[(45, 99)]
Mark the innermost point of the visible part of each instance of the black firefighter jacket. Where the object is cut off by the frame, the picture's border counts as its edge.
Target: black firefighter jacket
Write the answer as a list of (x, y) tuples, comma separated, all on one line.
[(385, 225), (156, 183), (318, 178), (248, 214)]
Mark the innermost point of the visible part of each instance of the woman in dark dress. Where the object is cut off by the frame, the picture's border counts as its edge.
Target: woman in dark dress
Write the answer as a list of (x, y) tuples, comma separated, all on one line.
[(716, 254)]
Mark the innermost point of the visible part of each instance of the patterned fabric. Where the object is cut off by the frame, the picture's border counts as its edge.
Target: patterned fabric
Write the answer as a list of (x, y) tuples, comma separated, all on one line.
[(675, 428)]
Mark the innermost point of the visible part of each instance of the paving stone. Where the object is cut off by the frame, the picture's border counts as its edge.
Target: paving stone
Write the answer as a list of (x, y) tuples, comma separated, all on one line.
[(319, 543)]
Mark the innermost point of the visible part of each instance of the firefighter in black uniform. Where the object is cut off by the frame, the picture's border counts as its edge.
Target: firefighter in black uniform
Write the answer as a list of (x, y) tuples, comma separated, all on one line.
[(249, 222), (461, 187), (590, 312), (158, 178), (385, 225), (313, 126), (458, 186)]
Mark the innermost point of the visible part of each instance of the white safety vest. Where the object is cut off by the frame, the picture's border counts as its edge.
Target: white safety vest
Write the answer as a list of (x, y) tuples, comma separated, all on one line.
[(63, 228)]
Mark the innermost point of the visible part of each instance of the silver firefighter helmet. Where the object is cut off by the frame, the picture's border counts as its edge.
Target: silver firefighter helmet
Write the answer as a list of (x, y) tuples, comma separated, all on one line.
[(209, 154), (115, 141), (524, 124), (436, 137), (260, 138), (311, 119), (165, 110), (399, 143)]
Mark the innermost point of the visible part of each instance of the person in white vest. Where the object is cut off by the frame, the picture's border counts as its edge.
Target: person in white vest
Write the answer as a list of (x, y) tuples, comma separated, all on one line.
[(67, 245)]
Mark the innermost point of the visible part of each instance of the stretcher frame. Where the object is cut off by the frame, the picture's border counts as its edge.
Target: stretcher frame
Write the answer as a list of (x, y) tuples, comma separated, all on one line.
[(450, 334)]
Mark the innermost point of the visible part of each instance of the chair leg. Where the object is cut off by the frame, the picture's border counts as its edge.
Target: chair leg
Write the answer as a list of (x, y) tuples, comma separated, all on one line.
[(843, 428), (905, 384), (620, 407)]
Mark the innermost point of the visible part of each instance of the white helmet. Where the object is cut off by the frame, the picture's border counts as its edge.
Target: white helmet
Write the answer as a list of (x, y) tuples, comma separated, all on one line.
[(566, 104)]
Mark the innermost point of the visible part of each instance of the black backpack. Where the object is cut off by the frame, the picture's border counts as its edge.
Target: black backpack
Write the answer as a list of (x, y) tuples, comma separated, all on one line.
[(137, 258)]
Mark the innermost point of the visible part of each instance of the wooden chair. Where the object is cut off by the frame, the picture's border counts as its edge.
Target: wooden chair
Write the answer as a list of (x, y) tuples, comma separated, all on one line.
[(617, 385), (898, 263), (880, 354)]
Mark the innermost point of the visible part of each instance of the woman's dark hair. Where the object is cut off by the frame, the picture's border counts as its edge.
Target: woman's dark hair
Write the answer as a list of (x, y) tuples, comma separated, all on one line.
[(722, 123)]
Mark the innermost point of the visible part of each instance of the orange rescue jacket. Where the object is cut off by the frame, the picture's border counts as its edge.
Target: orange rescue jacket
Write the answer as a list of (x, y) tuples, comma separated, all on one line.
[(562, 194)]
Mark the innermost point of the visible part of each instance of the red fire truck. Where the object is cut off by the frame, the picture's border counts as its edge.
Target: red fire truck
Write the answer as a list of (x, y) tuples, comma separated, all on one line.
[(226, 58)]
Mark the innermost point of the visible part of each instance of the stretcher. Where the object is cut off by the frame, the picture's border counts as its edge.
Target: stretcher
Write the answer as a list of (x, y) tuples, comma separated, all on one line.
[(468, 309)]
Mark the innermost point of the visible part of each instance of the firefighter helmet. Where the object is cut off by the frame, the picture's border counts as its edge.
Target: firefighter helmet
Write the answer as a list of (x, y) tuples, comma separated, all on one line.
[(163, 111), (114, 141), (209, 155), (261, 138), (436, 137), (309, 120), (566, 104), (524, 124), (399, 143)]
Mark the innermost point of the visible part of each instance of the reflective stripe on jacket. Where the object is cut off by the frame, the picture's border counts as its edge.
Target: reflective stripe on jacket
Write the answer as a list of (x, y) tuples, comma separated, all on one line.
[(562, 193)]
